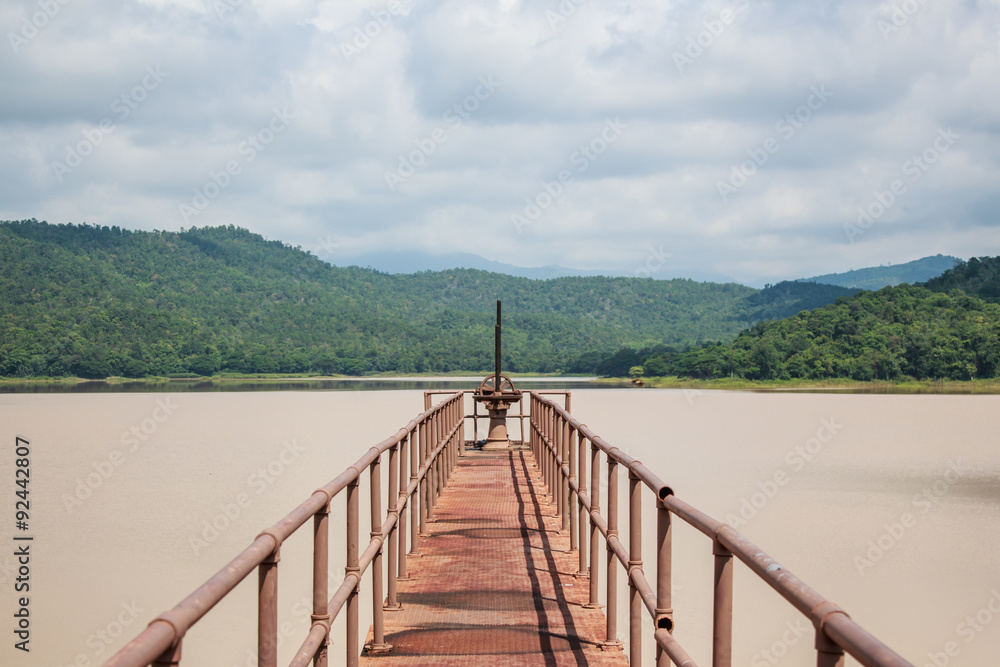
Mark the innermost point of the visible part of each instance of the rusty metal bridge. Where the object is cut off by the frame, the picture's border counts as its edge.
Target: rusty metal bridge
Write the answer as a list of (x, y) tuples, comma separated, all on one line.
[(481, 547), (499, 555)]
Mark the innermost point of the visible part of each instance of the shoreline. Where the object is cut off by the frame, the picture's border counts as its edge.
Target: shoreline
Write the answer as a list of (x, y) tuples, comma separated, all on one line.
[(718, 384)]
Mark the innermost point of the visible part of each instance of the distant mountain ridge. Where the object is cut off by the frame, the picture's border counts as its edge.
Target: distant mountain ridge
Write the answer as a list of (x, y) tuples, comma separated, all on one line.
[(400, 262), (877, 277)]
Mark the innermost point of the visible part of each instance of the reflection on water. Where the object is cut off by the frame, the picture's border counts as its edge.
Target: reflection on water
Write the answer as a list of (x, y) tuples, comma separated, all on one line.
[(326, 384)]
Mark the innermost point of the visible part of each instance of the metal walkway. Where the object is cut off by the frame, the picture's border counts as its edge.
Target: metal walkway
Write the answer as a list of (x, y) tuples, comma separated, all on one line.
[(496, 580)]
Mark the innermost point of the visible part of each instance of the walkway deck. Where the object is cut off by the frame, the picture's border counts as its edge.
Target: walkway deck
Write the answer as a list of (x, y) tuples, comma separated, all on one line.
[(495, 582)]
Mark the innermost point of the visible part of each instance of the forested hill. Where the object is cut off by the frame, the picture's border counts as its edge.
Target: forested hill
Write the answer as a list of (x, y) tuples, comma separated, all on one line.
[(97, 301), (946, 329)]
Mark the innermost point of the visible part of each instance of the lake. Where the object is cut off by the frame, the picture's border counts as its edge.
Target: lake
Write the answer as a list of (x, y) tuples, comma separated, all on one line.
[(887, 504)]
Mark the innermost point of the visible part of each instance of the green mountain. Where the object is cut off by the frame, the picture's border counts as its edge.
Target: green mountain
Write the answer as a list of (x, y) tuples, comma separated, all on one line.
[(877, 277), (98, 301), (946, 329)]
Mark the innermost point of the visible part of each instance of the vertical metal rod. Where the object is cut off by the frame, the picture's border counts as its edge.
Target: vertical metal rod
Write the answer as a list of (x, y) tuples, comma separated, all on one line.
[(567, 448), (634, 565), (595, 533), (321, 579), (573, 499), (267, 610), (828, 653), (581, 544), (557, 496), (171, 657), (414, 500), (496, 384), (611, 637), (722, 617), (475, 421), (461, 428), (392, 508), (555, 433), (664, 605), (432, 443), (424, 428), (378, 614), (404, 456), (351, 645)]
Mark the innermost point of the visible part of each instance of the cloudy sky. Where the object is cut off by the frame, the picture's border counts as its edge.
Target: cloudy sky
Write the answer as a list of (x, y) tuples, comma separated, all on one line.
[(757, 140)]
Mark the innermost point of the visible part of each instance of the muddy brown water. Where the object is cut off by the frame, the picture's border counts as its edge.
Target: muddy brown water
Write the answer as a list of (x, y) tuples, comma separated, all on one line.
[(887, 504)]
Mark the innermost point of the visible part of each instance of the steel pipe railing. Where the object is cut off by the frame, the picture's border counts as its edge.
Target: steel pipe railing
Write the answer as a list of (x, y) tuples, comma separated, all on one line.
[(552, 433), (433, 441)]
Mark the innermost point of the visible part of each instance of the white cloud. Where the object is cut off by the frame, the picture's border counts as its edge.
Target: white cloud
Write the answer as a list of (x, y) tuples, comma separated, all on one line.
[(367, 82)]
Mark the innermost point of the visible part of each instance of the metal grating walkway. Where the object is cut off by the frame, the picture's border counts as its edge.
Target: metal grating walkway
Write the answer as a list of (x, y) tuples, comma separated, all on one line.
[(495, 583)]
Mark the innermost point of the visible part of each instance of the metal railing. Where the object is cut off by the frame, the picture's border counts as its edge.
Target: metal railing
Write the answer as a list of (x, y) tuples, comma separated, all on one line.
[(421, 457), (559, 444)]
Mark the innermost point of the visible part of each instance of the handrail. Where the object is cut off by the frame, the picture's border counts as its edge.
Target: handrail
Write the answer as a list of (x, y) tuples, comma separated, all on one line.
[(427, 448), (558, 442)]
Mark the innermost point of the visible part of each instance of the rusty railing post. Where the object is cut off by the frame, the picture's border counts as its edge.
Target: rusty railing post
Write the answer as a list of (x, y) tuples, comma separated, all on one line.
[(551, 453), (392, 508), (828, 653), (321, 579), (267, 607), (634, 564), (581, 479), (564, 448), (572, 497), (475, 421), (415, 500), (352, 570), (424, 485), (664, 605), (404, 456), (611, 636), (171, 657), (595, 533), (722, 616), (378, 614), (429, 463)]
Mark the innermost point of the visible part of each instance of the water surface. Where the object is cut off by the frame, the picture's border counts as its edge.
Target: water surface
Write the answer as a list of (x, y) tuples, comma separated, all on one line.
[(137, 498)]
